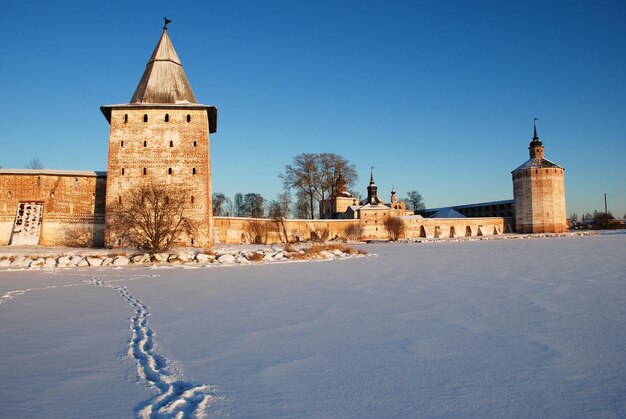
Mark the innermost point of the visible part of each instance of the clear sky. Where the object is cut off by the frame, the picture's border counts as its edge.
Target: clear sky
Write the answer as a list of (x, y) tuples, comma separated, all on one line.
[(438, 96)]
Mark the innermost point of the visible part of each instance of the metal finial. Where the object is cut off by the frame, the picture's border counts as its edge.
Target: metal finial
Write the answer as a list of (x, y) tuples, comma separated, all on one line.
[(372, 174), (535, 129), (166, 22)]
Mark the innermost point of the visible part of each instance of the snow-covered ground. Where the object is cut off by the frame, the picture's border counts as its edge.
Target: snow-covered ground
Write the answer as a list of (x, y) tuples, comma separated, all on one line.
[(524, 328)]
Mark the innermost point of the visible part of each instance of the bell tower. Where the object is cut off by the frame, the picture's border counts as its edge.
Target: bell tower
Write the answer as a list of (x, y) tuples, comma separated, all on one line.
[(161, 137)]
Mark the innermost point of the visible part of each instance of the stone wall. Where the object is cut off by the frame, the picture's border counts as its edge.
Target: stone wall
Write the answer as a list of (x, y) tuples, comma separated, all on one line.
[(73, 204), (539, 196), (243, 230), (167, 146)]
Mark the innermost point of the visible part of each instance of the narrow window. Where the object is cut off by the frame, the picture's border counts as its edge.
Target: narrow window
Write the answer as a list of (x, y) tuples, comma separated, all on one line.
[(38, 181), (167, 199), (122, 143), (145, 143), (76, 183), (171, 143), (193, 171), (192, 199), (195, 143), (122, 171), (169, 171), (119, 242), (125, 118), (145, 171), (192, 241), (52, 194), (167, 117), (119, 199), (145, 117), (188, 118)]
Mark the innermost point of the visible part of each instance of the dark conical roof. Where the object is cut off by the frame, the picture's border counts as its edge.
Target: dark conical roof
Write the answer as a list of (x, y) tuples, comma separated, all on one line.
[(164, 80)]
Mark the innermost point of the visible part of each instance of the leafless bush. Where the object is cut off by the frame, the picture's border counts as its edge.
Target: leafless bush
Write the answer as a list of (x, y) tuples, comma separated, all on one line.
[(79, 236), (258, 231), (354, 231), (152, 217), (320, 235), (394, 227)]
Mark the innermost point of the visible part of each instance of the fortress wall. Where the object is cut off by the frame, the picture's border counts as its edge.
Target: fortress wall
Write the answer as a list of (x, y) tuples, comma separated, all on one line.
[(142, 151), (241, 230), (73, 204)]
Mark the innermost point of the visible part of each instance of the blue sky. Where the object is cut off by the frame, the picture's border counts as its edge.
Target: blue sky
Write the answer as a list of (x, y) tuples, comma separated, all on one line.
[(437, 96)]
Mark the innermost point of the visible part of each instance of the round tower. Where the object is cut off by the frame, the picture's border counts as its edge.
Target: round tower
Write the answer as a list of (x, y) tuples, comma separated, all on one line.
[(539, 193)]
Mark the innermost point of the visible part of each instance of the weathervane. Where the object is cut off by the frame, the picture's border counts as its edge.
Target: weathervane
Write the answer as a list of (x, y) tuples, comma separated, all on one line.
[(166, 22)]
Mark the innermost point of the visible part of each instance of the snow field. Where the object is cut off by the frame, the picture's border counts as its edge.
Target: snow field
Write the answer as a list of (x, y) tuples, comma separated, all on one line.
[(470, 329)]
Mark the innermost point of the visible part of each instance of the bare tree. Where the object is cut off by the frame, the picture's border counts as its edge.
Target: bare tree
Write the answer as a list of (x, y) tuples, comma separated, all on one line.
[(221, 204), (315, 176), (278, 210), (354, 231), (35, 163), (152, 217), (394, 227), (415, 199), (302, 210)]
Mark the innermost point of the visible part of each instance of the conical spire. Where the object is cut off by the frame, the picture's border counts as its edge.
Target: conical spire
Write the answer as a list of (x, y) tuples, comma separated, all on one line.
[(535, 147), (535, 128), (372, 175), (164, 80)]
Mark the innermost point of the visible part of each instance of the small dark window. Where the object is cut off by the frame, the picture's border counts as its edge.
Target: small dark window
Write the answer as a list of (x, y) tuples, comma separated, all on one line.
[(167, 199), (145, 171), (119, 199), (192, 242), (119, 242), (192, 199), (145, 117), (169, 171), (145, 143), (167, 117), (195, 143), (122, 143), (171, 143), (188, 118), (75, 183), (125, 118), (193, 171), (38, 181), (122, 170)]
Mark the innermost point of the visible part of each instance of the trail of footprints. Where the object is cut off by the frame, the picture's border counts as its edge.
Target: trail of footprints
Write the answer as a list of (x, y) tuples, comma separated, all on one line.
[(176, 398)]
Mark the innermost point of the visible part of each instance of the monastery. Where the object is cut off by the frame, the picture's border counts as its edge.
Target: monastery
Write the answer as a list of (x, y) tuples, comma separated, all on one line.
[(162, 137)]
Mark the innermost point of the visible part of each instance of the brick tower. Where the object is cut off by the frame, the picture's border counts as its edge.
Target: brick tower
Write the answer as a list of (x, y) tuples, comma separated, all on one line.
[(162, 137), (539, 193)]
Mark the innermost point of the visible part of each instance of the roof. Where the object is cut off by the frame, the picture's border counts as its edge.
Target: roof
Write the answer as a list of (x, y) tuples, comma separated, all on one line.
[(164, 80), (164, 85), (447, 213), (537, 163), (53, 172), (478, 204)]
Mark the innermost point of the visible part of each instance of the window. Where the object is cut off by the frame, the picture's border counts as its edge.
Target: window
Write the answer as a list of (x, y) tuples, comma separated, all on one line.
[(193, 171), (145, 117), (38, 181), (75, 183), (169, 171), (119, 199), (195, 143), (192, 241), (188, 118), (171, 143), (125, 118), (167, 117), (122, 171), (192, 199), (145, 143), (122, 143), (145, 171)]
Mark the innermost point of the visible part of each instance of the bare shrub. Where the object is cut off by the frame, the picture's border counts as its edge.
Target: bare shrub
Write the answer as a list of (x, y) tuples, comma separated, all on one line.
[(152, 217), (354, 231), (79, 236), (258, 231), (255, 257), (320, 235), (394, 227)]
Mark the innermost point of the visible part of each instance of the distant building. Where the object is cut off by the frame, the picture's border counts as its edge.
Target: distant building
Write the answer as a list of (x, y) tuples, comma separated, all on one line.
[(484, 209)]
